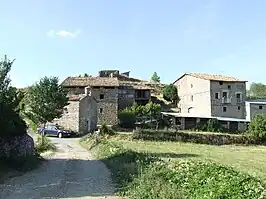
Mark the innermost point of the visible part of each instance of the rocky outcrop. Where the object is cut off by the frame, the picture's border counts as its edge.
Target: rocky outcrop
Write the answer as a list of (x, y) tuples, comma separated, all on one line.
[(20, 146)]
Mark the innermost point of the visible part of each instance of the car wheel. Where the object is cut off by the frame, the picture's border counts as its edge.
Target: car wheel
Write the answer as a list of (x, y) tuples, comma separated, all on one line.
[(60, 135)]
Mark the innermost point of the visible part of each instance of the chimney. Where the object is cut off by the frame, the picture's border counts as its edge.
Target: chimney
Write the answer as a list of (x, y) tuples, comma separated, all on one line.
[(88, 91)]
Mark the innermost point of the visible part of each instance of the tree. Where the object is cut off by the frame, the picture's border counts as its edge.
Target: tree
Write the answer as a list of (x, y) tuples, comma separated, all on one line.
[(10, 121), (86, 75), (170, 94), (257, 91), (257, 126), (47, 100), (155, 77)]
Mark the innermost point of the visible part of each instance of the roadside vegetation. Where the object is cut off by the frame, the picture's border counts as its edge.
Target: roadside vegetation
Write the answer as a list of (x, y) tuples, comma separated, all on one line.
[(19, 108), (156, 169), (44, 144)]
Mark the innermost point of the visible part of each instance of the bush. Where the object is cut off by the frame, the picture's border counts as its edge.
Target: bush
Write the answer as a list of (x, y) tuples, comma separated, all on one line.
[(105, 130), (43, 144), (199, 138), (257, 127), (197, 180), (212, 125), (127, 118)]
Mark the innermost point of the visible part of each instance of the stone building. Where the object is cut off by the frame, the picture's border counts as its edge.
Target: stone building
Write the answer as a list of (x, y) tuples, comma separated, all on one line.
[(80, 115), (113, 91)]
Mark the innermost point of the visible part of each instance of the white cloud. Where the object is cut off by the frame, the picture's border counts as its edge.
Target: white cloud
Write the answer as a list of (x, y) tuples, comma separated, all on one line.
[(63, 33)]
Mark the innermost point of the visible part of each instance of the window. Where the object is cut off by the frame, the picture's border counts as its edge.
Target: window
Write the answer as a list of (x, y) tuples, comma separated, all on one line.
[(238, 97), (101, 96), (221, 83), (225, 97), (260, 107), (229, 86), (191, 85), (65, 110), (101, 110), (238, 108), (217, 95), (224, 109), (191, 97)]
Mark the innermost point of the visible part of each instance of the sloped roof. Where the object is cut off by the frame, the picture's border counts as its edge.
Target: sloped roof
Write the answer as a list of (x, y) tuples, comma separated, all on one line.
[(90, 81), (212, 77)]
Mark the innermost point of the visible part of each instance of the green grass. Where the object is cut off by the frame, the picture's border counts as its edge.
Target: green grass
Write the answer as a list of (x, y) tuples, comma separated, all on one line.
[(249, 159), (173, 170)]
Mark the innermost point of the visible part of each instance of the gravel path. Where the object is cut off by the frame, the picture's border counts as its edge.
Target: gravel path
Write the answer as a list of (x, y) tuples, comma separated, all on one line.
[(70, 173)]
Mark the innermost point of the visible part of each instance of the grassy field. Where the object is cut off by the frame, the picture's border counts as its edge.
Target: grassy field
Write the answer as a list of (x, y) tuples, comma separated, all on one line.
[(152, 169), (249, 159)]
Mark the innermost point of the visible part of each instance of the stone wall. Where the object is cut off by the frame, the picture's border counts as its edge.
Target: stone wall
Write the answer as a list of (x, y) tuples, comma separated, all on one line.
[(70, 118), (19, 146), (107, 98)]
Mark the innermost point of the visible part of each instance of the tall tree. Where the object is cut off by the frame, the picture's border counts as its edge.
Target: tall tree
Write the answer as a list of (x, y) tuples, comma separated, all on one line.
[(155, 77), (86, 75), (47, 99), (257, 91), (170, 94), (10, 121)]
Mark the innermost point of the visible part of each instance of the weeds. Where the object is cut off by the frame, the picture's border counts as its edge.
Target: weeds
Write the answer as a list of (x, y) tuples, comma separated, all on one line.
[(44, 144)]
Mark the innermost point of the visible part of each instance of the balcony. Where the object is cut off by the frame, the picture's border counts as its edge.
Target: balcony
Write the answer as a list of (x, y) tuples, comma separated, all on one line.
[(226, 100)]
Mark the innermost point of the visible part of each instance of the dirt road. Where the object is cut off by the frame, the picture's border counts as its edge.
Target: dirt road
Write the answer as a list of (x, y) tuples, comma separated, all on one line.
[(70, 173)]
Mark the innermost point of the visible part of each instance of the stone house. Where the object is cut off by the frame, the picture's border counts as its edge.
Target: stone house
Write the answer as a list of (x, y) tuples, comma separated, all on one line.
[(80, 115), (113, 92), (255, 107), (204, 96)]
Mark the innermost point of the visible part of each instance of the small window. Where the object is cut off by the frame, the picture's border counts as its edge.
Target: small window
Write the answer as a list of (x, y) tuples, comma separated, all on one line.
[(217, 95), (221, 83), (191, 97), (101, 110), (101, 96), (238, 108), (260, 107), (191, 85), (65, 110), (229, 86), (224, 109)]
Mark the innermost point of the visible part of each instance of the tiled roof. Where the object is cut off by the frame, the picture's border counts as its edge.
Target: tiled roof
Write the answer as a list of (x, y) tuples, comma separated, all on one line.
[(90, 81), (212, 77)]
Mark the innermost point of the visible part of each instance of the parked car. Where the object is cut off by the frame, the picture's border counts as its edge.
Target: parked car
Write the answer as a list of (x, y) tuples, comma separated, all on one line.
[(54, 130)]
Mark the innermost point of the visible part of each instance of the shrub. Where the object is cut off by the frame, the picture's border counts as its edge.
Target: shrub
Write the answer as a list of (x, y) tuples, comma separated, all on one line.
[(212, 125), (105, 130), (44, 144), (199, 138), (127, 118), (257, 126), (195, 180)]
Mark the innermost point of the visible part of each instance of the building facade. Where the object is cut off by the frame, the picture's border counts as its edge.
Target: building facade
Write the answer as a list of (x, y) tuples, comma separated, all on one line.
[(80, 115), (205, 95), (255, 107), (112, 91)]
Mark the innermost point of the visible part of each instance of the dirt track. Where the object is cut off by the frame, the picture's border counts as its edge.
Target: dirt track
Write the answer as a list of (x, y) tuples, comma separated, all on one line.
[(70, 173)]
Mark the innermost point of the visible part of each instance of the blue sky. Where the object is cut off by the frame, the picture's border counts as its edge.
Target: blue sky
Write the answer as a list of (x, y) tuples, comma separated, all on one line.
[(66, 37)]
